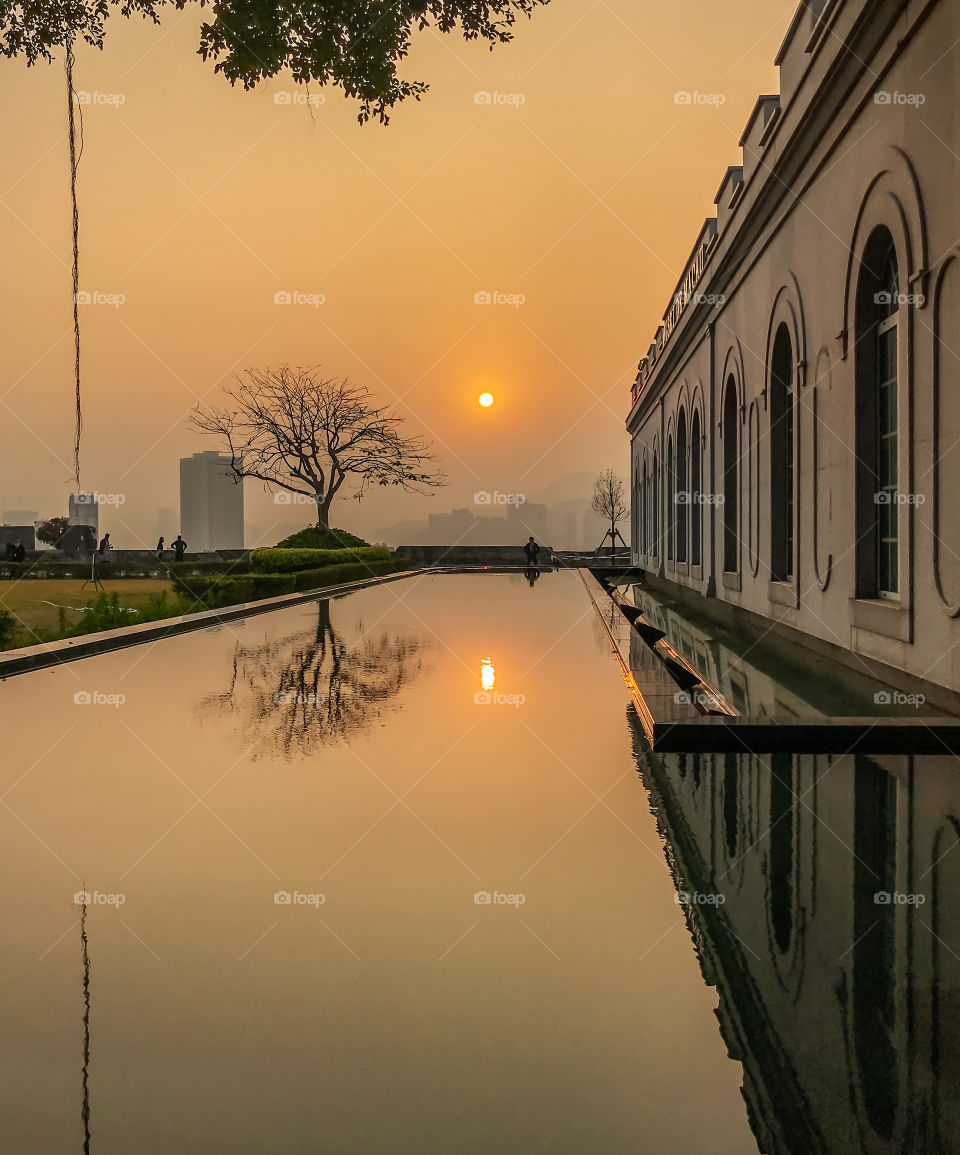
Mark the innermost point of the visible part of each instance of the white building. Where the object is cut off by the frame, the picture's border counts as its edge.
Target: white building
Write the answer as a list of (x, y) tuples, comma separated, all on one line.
[(84, 510), (211, 503), (795, 424)]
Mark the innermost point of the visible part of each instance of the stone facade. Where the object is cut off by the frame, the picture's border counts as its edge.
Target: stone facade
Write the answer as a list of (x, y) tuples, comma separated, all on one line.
[(795, 425)]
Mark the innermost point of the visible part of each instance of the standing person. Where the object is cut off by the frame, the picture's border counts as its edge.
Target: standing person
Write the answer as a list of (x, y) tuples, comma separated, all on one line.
[(19, 553), (179, 547), (105, 547), (531, 549), (160, 549)]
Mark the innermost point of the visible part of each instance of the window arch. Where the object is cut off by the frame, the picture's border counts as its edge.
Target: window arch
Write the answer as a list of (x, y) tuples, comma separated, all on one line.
[(731, 478), (696, 481), (681, 496), (644, 498), (655, 511), (670, 465), (782, 465), (878, 419)]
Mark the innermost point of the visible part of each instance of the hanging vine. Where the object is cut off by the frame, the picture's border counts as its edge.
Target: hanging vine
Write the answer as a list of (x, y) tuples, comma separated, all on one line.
[(75, 155)]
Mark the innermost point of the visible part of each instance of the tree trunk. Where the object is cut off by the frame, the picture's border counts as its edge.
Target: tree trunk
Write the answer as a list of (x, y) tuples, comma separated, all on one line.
[(323, 512)]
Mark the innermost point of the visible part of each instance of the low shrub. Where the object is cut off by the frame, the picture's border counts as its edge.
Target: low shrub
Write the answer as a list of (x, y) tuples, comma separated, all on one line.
[(315, 538), (8, 627), (284, 560)]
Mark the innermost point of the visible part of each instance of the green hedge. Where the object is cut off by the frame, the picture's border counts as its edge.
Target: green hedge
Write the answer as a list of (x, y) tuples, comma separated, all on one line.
[(294, 560), (216, 592), (313, 537)]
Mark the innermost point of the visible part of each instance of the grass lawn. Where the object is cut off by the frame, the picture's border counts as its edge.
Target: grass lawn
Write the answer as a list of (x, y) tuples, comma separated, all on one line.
[(34, 601)]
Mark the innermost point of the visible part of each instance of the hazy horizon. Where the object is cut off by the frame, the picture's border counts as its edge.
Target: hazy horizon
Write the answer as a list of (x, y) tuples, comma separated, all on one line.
[(199, 203)]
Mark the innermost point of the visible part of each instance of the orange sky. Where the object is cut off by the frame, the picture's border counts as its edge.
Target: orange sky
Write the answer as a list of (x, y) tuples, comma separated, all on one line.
[(199, 202)]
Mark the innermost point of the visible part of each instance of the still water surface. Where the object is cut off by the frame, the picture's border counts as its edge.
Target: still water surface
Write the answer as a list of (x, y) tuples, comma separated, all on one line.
[(384, 761)]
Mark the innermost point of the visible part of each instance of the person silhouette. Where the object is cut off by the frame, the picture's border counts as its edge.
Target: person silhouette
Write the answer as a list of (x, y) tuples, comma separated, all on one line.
[(532, 576), (160, 548), (530, 550), (179, 547)]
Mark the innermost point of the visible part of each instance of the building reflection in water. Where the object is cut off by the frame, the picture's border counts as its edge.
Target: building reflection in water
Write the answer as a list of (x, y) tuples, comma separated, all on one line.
[(835, 947), (295, 693)]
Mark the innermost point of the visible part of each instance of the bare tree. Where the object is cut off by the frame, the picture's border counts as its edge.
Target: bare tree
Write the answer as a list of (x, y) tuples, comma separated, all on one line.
[(311, 435), (610, 502)]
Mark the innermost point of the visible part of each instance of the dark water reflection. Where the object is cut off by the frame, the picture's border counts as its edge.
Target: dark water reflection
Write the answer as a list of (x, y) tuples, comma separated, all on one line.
[(287, 831), (835, 940), (294, 693)]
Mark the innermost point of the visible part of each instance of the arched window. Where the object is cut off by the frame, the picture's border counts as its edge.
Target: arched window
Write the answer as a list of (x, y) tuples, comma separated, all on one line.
[(671, 468), (682, 492), (696, 480), (731, 479), (644, 524), (655, 519), (782, 471), (877, 417)]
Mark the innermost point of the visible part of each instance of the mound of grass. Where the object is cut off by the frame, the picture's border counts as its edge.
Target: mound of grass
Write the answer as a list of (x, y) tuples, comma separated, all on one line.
[(315, 538), (290, 560)]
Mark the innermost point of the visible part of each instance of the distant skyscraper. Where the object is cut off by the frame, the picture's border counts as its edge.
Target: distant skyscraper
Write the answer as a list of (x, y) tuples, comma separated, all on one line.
[(211, 503), (83, 510)]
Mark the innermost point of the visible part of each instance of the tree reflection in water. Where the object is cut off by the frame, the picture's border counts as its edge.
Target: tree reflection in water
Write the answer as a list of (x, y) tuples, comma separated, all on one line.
[(296, 693)]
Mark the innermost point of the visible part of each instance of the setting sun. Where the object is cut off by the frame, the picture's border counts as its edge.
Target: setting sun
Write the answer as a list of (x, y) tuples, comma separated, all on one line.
[(486, 400)]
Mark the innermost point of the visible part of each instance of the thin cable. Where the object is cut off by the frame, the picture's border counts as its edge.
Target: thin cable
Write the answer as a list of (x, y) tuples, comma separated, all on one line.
[(74, 162)]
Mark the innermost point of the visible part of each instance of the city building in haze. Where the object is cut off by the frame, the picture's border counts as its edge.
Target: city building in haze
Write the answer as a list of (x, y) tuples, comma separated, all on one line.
[(20, 516), (211, 503)]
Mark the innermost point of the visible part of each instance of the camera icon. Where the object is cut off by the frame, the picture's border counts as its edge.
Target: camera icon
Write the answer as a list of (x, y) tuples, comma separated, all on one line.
[(82, 698), (83, 297), (282, 498), (81, 898), (482, 898), (482, 298), (482, 98), (282, 98), (282, 898), (484, 497), (682, 98), (482, 698), (882, 898), (882, 698), (282, 298), (881, 97)]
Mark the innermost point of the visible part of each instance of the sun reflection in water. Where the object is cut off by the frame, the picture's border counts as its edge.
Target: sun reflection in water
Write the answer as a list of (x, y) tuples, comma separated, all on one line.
[(488, 675)]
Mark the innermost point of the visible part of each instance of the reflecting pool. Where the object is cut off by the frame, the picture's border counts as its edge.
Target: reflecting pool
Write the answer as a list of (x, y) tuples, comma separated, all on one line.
[(369, 875)]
